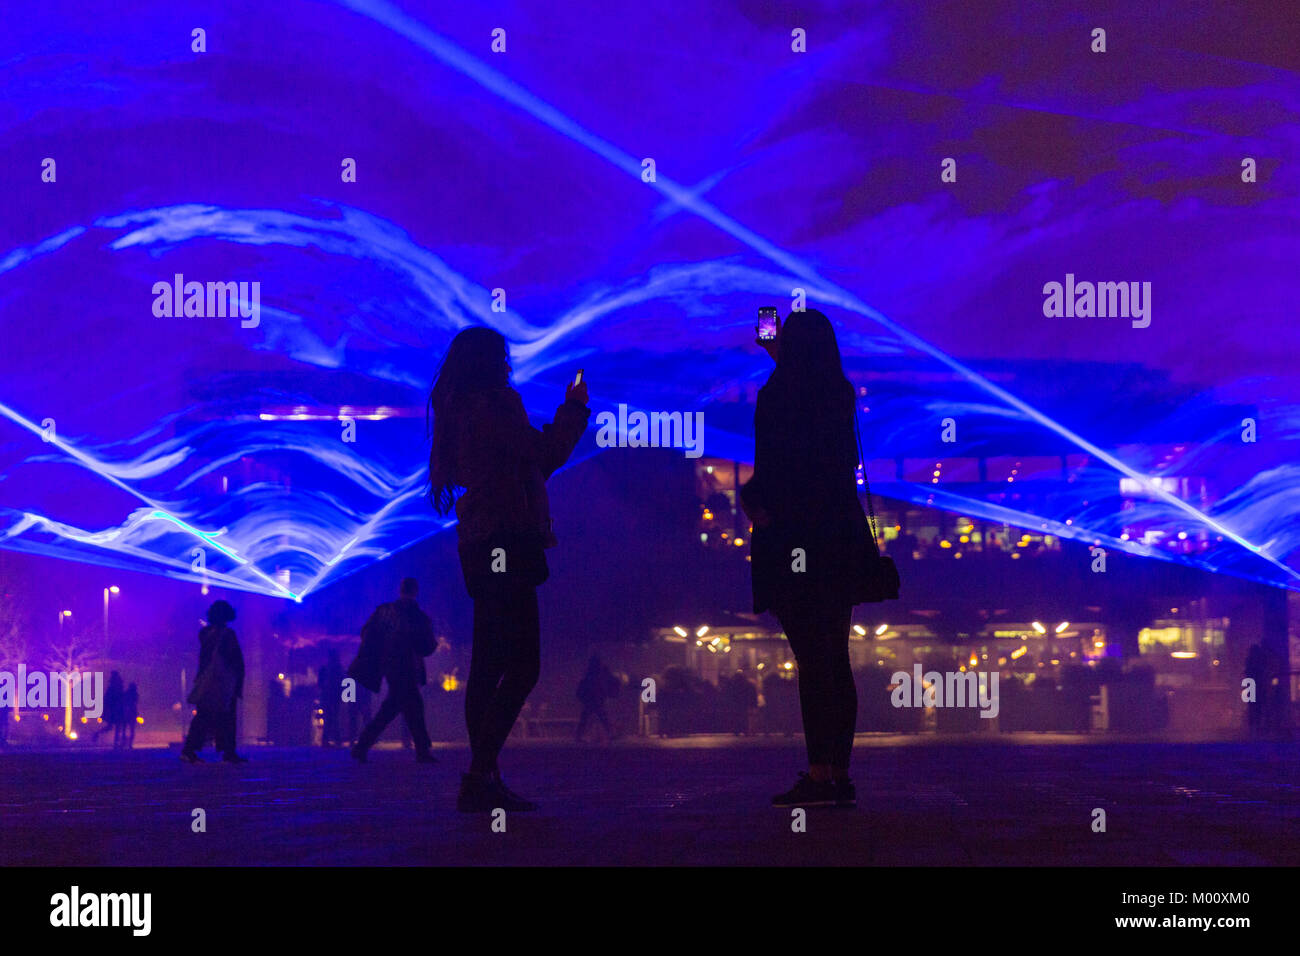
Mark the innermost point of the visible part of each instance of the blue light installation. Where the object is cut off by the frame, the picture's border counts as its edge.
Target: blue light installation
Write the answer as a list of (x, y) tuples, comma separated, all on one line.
[(362, 289)]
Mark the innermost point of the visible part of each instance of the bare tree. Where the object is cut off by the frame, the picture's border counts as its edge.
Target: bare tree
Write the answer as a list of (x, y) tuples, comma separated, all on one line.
[(13, 645), (73, 653)]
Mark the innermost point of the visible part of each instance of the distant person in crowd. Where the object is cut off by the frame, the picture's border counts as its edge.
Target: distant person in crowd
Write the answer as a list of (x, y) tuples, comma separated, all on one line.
[(492, 464), (904, 545), (597, 685), (809, 537), (1259, 669), (113, 709), (130, 714), (218, 685), (681, 703), (329, 685), (739, 699), (394, 643)]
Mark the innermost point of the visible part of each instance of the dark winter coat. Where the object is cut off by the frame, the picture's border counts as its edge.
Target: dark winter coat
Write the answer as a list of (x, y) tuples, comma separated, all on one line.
[(394, 643), (805, 466)]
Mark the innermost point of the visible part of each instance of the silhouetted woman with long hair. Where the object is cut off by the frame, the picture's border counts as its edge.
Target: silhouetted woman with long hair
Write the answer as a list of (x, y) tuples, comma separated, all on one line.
[(488, 461), (808, 540)]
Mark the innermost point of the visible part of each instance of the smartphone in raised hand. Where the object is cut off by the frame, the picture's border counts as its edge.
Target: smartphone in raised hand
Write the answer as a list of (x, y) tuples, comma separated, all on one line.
[(576, 390), (768, 324)]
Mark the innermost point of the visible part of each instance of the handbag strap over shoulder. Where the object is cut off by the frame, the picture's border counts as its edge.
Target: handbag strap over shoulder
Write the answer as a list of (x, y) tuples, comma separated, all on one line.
[(862, 463)]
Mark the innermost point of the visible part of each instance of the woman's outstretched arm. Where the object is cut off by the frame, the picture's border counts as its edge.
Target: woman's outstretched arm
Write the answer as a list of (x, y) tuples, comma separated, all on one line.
[(497, 430)]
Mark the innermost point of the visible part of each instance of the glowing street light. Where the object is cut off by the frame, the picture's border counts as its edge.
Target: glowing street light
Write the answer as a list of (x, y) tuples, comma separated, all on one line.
[(1062, 626), (1039, 628)]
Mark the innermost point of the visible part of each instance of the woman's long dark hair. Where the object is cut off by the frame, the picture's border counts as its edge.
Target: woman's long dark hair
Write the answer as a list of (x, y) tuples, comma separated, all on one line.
[(809, 369), (477, 360)]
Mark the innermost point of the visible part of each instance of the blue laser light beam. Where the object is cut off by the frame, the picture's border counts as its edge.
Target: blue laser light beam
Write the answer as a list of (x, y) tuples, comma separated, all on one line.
[(492, 80), (209, 537), (93, 465)]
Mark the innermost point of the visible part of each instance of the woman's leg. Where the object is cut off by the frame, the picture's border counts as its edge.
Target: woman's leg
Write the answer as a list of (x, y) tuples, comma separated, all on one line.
[(816, 686), (519, 641), (845, 691), (486, 667)]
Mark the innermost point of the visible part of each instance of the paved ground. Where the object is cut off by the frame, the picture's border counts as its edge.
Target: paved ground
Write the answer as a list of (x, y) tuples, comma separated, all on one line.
[(1026, 800)]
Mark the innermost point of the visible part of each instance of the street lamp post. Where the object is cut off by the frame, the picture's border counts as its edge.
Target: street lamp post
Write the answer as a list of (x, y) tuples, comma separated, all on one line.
[(114, 589)]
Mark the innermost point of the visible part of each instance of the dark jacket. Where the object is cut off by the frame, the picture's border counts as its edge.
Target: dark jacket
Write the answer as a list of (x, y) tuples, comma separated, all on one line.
[(394, 643), (805, 464), (503, 462), (219, 639)]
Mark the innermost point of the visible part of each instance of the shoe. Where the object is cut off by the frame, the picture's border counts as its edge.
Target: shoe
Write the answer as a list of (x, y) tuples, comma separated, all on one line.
[(846, 794), (425, 757), (358, 753), (478, 793), (807, 792), (189, 756), (233, 757), (509, 800)]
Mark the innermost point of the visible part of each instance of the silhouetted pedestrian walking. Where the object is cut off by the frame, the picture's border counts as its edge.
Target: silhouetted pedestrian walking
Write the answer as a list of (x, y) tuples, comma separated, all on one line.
[(394, 643)]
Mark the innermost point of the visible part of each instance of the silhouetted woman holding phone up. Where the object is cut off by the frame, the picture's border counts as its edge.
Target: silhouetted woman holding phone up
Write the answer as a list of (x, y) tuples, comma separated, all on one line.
[(492, 464), (807, 543)]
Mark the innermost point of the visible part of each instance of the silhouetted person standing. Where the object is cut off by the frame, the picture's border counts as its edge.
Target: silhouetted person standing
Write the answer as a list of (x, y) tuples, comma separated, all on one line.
[(113, 709), (485, 450), (808, 538), (399, 636), (1259, 670), (130, 713), (218, 685), (597, 685), (739, 698), (329, 686)]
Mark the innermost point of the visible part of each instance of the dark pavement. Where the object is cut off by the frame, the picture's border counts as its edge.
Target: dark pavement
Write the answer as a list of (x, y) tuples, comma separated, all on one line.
[(922, 801)]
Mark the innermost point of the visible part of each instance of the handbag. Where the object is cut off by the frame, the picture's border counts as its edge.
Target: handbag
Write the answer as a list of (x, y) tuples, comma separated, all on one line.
[(878, 579), (365, 669)]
